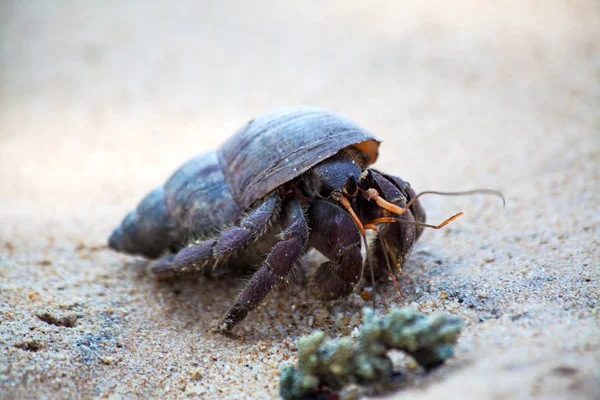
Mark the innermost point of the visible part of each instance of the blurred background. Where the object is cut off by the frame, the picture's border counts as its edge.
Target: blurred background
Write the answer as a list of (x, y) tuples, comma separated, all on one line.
[(105, 99), (101, 100)]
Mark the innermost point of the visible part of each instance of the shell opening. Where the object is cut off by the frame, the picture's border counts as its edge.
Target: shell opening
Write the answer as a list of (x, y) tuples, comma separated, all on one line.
[(369, 147)]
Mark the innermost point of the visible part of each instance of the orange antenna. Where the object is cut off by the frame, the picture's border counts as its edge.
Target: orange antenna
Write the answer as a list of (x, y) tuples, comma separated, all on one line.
[(373, 194), (338, 196), (384, 220)]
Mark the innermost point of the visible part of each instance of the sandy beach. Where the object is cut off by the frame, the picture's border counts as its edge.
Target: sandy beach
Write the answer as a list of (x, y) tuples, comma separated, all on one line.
[(101, 101)]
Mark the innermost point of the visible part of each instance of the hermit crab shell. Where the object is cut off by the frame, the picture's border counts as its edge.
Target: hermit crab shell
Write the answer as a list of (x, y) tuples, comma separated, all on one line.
[(282, 144), (215, 188)]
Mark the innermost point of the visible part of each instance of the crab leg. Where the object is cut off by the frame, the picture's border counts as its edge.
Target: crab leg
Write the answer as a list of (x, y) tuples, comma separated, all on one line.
[(335, 235), (211, 251), (372, 226), (277, 268)]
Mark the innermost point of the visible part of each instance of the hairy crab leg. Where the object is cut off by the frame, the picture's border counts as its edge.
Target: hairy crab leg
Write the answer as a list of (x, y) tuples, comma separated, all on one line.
[(374, 228)]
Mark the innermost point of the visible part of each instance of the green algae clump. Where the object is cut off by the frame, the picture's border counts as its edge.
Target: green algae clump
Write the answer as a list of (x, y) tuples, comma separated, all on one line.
[(331, 364)]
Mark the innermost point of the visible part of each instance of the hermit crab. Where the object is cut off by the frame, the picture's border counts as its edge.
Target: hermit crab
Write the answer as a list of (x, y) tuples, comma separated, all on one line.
[(288, 181)]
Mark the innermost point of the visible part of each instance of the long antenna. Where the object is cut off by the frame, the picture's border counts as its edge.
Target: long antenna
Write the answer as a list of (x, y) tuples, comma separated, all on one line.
[(490, 192), (384, 220), (373, 194)]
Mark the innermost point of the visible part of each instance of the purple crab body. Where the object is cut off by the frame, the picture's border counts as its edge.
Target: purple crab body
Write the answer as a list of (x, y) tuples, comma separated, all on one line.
[(290, 180)]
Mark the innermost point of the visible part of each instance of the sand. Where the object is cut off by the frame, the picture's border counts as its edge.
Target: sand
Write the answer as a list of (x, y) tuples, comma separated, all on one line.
[(100, 102)]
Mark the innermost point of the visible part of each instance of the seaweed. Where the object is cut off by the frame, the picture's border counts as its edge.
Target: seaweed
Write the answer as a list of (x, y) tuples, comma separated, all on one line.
[(326, 364)]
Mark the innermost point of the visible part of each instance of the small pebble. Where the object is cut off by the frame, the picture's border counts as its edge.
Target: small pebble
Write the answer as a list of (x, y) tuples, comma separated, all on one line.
[(366, 295), (107, 360), (196, 374)]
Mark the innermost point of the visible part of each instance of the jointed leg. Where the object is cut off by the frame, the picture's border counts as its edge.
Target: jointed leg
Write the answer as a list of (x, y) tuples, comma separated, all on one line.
[(278, 266), (218, 248), (335, 234)]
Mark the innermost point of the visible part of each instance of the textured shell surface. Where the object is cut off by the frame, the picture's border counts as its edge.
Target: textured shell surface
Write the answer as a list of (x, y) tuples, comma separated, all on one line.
[(281, 145), (214, 188), (147, 229), (198, 198)]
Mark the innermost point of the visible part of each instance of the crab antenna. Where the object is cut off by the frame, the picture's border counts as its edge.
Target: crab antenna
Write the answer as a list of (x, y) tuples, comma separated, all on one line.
[(373, 194), (461, 193), (338, 196), (384, 220)]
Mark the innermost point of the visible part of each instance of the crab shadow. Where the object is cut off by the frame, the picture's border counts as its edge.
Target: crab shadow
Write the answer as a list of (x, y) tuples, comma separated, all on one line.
[(197, 301), (407, 377)]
